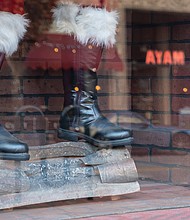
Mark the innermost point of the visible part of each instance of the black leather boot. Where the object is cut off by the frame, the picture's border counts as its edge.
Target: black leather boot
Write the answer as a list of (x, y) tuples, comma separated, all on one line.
[(11, 148), (14, 27), (83, 32), (81, 117)]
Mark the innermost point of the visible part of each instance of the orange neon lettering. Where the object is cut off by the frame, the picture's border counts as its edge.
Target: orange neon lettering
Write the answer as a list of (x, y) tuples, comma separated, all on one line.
[(167, 58), (158, 55), (178, 57), (150, 58)]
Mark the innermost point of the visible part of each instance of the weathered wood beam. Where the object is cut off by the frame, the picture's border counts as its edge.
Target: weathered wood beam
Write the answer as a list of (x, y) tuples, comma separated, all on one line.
[(67, 170)]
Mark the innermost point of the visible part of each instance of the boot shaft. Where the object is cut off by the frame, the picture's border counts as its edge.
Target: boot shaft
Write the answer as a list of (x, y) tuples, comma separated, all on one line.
[(79, 65), (78, 56), (81, 95), (77, 81), (68, 53)]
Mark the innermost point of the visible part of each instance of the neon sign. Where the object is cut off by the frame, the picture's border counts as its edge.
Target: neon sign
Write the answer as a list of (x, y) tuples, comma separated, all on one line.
[(167, 57)]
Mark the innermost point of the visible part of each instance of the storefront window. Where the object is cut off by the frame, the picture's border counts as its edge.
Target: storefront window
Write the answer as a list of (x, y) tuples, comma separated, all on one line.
[(159, 88), (96, 96)]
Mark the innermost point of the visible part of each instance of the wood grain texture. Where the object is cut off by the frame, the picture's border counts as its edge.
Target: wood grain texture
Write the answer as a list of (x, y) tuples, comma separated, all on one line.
[(67, 170)]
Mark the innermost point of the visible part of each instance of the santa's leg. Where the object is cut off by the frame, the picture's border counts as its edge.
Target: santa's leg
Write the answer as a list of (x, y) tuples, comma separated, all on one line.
[(13, 27)]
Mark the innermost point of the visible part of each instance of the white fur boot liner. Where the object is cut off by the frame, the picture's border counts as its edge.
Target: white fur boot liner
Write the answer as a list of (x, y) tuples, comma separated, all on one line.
[(87, 24), (12, 30)]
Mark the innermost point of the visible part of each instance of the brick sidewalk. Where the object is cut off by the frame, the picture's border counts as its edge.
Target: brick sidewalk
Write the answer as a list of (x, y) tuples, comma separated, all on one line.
[(171, 214), (154, 201)]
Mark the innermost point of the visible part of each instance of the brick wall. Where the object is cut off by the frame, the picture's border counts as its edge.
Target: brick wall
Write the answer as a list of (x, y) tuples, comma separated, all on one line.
[(31, 100), (158, 95)]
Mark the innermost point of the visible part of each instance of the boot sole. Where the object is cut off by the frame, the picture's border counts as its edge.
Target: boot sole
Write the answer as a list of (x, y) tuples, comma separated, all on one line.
[(74, 136), (14, 156)]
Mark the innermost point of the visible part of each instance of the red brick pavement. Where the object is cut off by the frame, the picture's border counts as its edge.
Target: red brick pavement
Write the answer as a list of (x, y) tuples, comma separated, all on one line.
[(173, 214), (155, 201)]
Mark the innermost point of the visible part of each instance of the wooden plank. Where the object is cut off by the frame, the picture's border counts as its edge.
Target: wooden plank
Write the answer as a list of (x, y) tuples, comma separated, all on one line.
[(67, 192), (158, 5), (61, 149), (77, 173), (13, 181)]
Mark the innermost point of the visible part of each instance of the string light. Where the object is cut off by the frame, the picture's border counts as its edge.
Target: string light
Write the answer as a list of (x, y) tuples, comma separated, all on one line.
[(185, 90), (98, 88), (56, 50), (76, 89)]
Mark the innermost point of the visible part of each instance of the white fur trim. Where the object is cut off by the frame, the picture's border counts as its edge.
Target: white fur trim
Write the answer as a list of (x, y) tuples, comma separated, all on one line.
[(64, 16), (87, 24), (97, 26), (12, 30)]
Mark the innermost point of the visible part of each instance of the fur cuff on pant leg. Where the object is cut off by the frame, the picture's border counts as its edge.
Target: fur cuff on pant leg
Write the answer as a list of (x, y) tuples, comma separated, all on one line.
[(12, 30), (87, 24)]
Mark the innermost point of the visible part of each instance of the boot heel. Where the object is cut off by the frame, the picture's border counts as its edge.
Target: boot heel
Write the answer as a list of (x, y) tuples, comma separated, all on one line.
[(67, 135)]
